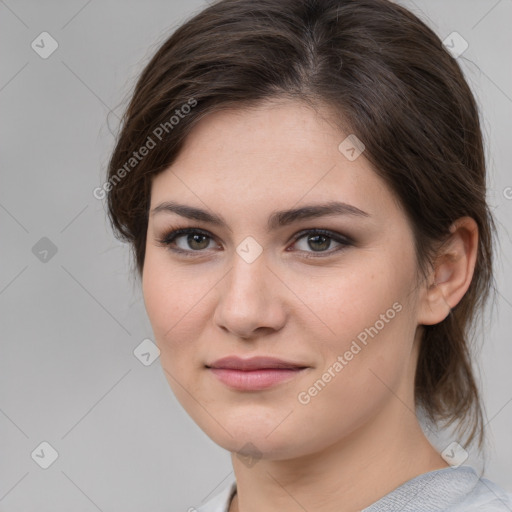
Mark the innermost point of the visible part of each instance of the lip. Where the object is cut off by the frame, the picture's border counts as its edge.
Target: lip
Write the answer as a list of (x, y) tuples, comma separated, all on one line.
[(254, 363), (255, 373)]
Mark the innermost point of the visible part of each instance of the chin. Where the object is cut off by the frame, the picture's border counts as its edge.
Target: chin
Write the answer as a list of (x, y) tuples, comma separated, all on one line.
[(245, 435), (258, 441)]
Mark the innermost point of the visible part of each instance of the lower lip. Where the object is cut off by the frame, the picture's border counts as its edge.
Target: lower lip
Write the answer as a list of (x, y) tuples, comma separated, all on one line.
[(254, 380)]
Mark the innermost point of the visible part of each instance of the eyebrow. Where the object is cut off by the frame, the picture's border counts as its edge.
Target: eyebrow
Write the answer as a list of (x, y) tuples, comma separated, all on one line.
[(277, 219)]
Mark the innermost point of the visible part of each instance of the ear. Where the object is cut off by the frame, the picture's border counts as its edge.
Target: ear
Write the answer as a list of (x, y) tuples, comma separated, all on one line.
[(452, 273)]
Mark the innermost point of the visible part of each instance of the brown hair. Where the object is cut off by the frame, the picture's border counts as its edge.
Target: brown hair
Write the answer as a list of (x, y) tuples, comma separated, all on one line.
[(387, 79)]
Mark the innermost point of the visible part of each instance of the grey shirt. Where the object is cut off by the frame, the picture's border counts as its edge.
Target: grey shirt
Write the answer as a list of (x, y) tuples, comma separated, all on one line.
[(452, 489)]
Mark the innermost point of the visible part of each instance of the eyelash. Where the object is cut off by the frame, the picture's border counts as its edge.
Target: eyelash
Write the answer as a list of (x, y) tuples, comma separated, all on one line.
[(168, 238)]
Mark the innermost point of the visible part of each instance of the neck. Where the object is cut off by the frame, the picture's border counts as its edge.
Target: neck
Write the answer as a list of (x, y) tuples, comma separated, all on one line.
[(344, 477)]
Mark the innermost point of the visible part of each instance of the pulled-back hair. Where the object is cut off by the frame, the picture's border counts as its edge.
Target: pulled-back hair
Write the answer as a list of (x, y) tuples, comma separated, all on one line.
[(385, 77)]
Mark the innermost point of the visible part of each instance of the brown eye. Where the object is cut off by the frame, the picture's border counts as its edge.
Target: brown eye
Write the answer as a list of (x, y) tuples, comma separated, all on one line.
[(196, 241), (320, 241), (187, 241)]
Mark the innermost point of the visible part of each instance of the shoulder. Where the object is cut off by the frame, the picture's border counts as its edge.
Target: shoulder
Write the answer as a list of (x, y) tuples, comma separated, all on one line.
[(486, 496), (470, 493), (219, 502), (451, 489)]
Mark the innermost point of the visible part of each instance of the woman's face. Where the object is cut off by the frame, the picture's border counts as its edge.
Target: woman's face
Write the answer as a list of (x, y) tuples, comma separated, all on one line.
[(343, 304)]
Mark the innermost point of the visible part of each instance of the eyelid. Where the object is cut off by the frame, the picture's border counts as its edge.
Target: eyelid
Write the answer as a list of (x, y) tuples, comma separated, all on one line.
[(322, 231)]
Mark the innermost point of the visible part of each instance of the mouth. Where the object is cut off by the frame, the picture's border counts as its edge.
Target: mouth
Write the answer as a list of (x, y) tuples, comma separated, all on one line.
[(254, 374)]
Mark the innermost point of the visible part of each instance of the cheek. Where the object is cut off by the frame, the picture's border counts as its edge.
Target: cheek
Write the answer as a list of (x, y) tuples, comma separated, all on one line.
[(178, 303), (167, 298), (160, 298), (166, 289), (173, 305), (365, 312), (344, 301), (362, 371)]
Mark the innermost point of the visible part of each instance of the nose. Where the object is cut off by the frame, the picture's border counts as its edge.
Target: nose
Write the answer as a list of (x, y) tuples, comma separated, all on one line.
[(250, 302)]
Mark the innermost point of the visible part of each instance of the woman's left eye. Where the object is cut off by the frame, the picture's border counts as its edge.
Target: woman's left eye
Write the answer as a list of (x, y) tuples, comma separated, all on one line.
[(192, 241), (320, 240)]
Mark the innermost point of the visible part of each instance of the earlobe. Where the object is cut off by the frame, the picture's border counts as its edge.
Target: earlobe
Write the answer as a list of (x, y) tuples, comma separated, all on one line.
[(453, 272), (434, 307)]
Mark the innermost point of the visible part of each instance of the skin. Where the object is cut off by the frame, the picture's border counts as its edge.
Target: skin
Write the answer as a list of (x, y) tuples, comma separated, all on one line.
[(358, 438)]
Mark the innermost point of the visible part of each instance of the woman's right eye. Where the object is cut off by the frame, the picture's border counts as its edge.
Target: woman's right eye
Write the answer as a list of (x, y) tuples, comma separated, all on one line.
[(187, 241)]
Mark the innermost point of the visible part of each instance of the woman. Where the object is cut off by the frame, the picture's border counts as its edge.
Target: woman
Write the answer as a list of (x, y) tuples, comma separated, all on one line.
[(303, 185)]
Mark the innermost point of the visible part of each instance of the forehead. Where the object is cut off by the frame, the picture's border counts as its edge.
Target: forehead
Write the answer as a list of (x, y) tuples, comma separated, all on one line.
[(276, 155)]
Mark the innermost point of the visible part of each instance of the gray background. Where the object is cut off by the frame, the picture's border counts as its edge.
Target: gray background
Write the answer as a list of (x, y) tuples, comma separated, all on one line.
[(71, 320)]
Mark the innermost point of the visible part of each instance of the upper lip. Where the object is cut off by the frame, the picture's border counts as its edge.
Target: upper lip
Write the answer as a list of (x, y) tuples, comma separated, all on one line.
[(253, 363)]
